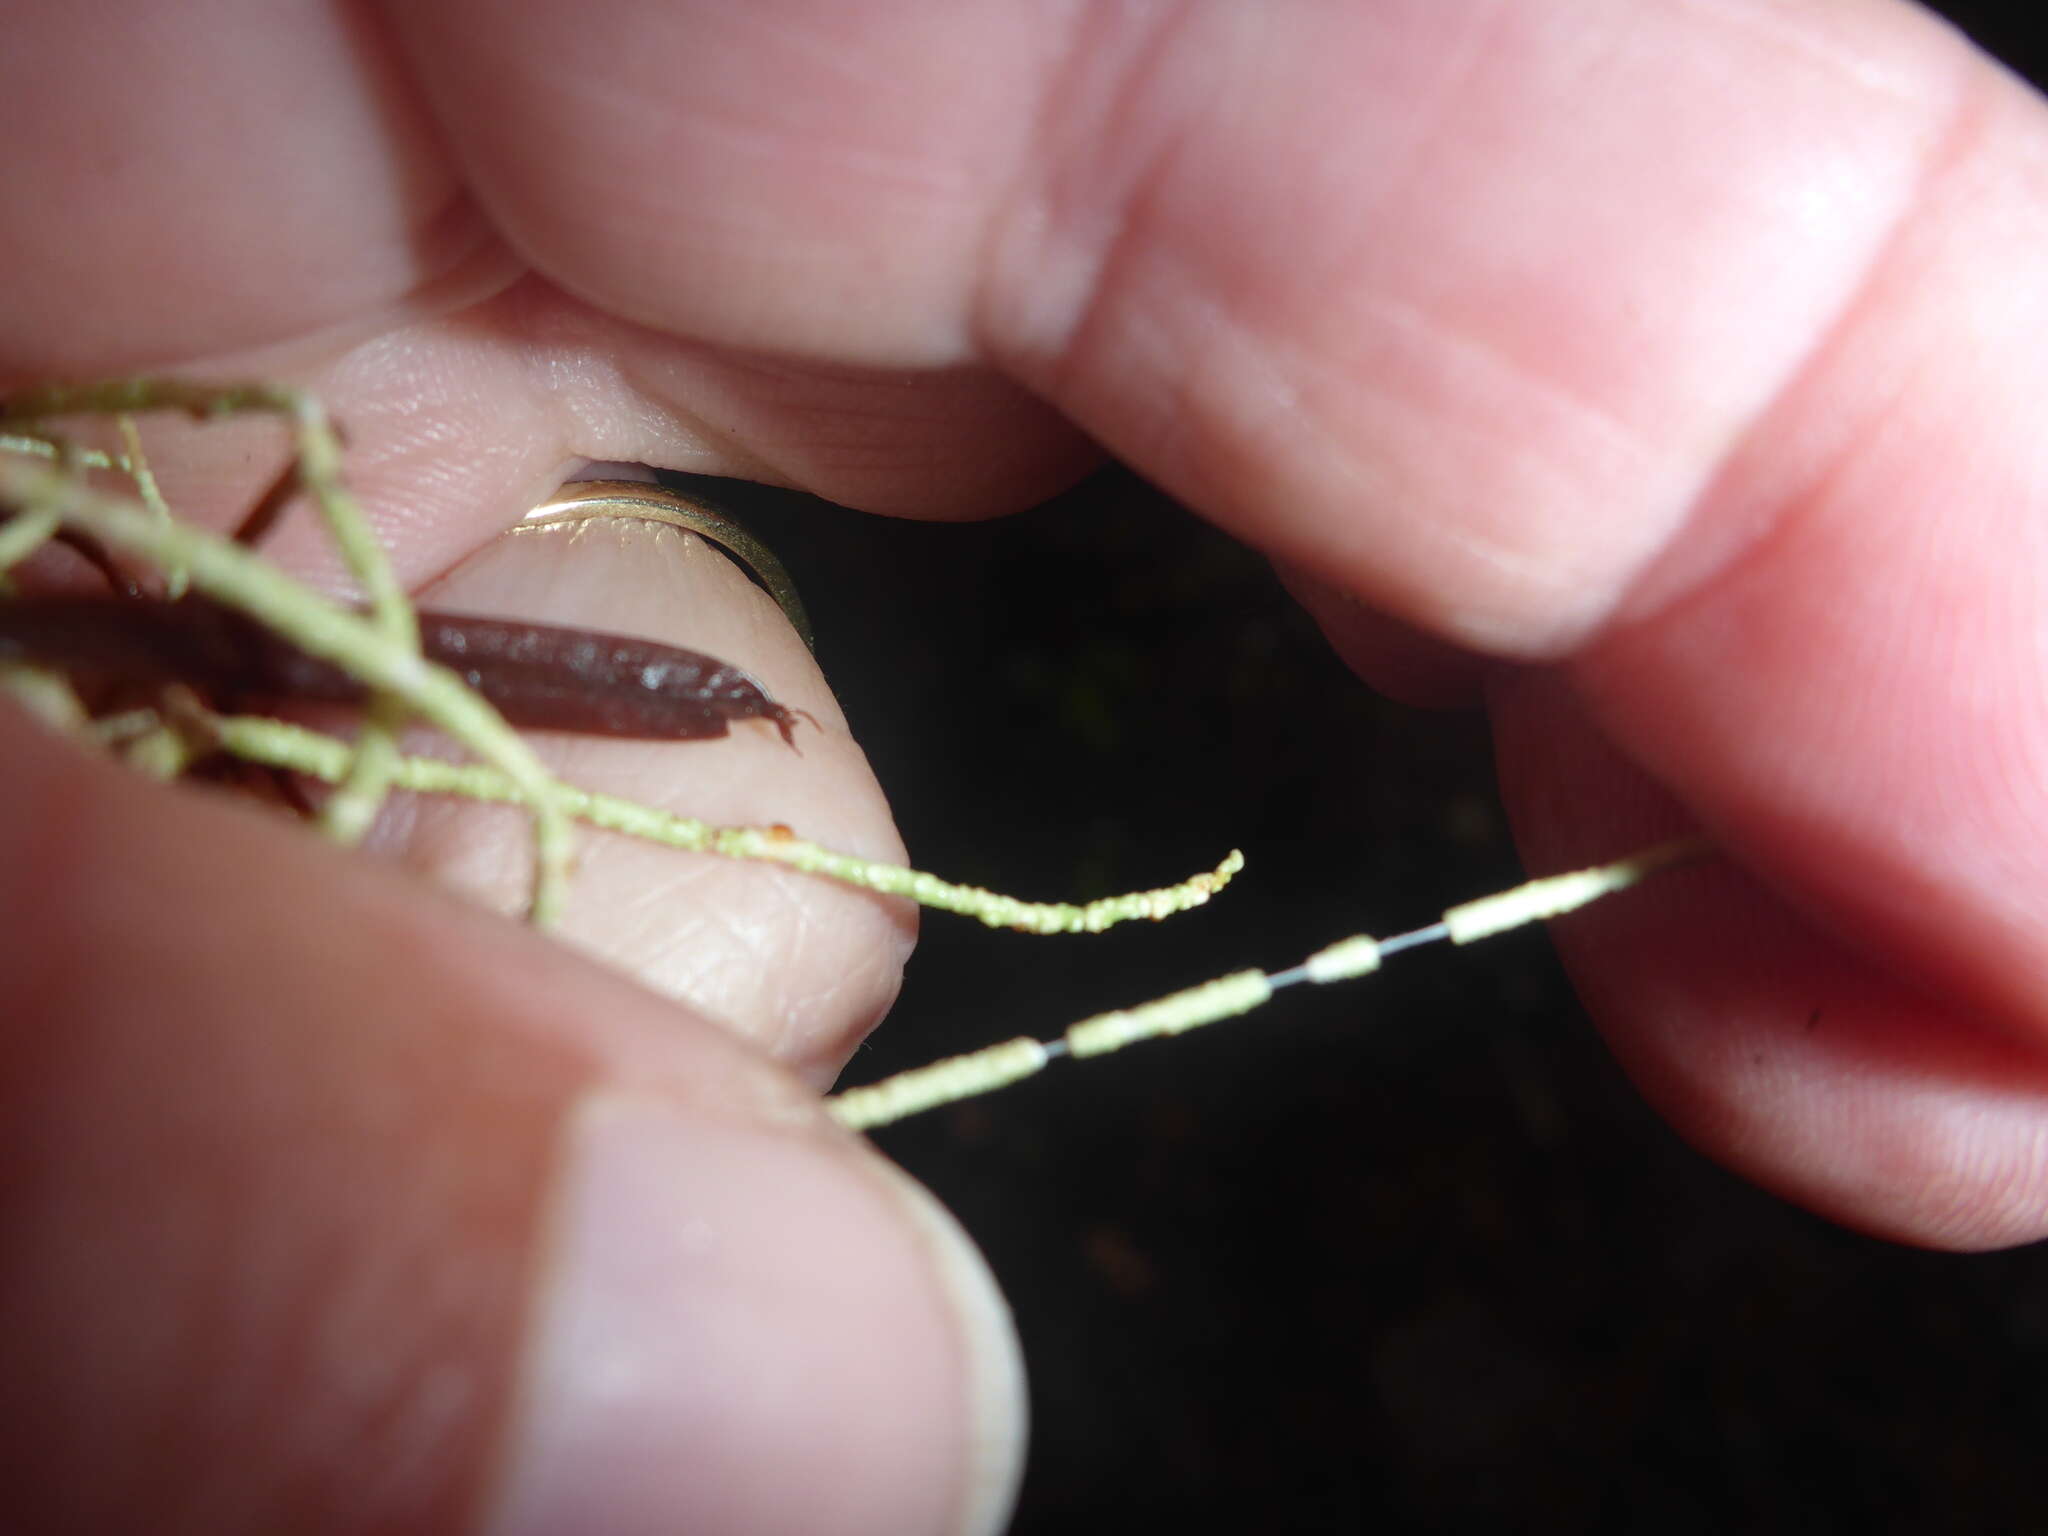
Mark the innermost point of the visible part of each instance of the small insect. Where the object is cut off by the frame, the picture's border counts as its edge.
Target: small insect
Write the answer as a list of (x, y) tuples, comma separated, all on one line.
[(539, 676)]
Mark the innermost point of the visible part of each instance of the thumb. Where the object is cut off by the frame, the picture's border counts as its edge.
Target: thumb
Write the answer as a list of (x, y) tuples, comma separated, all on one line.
[(332, 1205)]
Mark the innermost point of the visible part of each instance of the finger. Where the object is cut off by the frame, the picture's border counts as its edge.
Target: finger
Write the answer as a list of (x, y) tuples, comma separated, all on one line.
[(428, 1221), (1654, 324), (1766, 1039), (799, 965), (1570, 335), (1461, 308), (191, 183), (455, 426), (1396, 658), (305, 235)]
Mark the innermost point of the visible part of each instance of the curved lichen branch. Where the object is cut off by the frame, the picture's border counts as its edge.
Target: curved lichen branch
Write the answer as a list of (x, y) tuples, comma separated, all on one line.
[(135, 462), (241, 580), (316, 447), (279, 744), (381, 650), (317, 459), (42, 484), (46, 695), (37, 445), (21, 536)]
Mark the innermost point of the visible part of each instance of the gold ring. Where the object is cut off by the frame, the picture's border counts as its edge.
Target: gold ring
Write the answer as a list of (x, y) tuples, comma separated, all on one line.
[(581, 500)]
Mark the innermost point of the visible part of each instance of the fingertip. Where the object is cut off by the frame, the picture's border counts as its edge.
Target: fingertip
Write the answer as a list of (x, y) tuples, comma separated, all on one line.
[(998, 1418), (1805, 1067), (1806, 1062), (802, 967), (284, 1132), (1396, 658), (740, 1329)]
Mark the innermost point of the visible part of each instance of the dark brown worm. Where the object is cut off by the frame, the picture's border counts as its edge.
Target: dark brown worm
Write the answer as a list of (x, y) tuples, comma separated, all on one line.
[(539, 676)]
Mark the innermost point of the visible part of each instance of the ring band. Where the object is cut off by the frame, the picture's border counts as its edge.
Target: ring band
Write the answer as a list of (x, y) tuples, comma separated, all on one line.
[(581, 500)]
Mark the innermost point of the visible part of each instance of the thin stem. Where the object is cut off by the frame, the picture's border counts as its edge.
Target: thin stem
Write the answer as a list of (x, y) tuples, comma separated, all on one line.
[(349, 812), (234, 576), (997, 1066), (278, 744)]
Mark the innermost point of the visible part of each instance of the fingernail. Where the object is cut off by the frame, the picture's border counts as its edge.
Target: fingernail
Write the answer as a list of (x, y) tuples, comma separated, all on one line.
[(745, 1331)]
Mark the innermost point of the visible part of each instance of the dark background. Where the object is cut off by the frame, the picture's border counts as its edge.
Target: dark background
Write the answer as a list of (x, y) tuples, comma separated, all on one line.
[(1403, 1255)]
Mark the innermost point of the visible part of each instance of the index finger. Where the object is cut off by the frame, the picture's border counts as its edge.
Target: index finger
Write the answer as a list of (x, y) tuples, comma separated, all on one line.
[(1688, 346), (1684, 344)]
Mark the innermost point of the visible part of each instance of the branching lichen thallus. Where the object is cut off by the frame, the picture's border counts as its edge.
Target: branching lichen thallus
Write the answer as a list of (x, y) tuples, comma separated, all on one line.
[(201, 624)]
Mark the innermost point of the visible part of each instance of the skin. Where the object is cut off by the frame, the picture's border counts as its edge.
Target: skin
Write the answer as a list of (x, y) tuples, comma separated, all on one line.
[(1663, 370)]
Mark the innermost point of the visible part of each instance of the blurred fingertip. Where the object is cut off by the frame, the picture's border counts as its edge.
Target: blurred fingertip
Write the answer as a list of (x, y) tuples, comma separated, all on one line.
[(1395, 658), (742, 1329)]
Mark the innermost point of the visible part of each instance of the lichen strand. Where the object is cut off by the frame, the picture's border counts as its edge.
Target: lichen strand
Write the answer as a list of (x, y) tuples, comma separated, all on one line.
[(43, 490), (979, 1072), (42, 482)]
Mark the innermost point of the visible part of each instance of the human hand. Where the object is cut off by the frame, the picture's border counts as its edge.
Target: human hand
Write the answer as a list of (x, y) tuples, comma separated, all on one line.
[(1667, 351)]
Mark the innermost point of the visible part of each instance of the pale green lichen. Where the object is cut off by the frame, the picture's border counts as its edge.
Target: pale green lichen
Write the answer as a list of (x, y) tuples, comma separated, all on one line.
[(41, 480), (43, 484), (278, 744), (998, 1066)]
